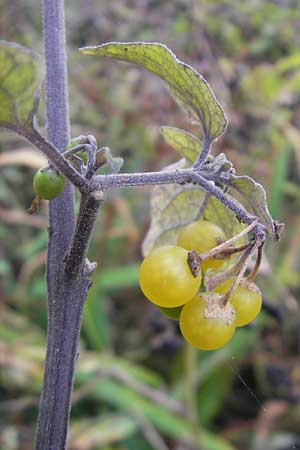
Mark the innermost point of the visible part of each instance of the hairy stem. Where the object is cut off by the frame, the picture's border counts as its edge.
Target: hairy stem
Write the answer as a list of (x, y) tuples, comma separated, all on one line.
[(66, 294), (196, 175), (183, 176), (64, 323), (54, 155), (203, 154), (75, 259)]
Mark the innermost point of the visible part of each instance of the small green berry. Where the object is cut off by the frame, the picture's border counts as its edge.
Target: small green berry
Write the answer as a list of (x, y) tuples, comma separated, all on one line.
[(47, 183)]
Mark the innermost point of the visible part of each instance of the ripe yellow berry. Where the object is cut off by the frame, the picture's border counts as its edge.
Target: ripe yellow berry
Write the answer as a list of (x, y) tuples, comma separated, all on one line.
[(166, 279), (246, 300), (201, 236), (202, 332)]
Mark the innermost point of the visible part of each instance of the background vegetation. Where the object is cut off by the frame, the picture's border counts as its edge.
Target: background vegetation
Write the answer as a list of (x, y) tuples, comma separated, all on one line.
[(138, 387)]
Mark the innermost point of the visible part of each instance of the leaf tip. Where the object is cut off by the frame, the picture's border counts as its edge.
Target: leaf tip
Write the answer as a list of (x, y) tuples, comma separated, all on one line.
[(87, 50)]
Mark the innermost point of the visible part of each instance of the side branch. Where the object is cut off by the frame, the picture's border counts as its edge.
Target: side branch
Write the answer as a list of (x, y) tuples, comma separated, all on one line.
[(75, 260), (184, 176), (203, 154), (208, 186), (57, 159)]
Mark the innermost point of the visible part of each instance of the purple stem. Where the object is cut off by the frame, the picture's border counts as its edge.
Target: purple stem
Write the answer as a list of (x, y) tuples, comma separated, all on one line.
[(204, 179), (66, 289), (60, 162), (203, 154)]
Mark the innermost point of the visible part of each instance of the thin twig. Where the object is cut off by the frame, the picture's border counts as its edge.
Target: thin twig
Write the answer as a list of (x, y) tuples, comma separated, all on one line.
[(248, 255), (231, 251), (256, 267), (57, 159), (225, 245), (182, 176), (203, 154), (212, 282)]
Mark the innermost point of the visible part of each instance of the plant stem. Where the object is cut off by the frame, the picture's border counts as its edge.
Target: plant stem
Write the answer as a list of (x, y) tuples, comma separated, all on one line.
[(195, 175), (75, 260), (54, 155), (66, 294), (248, 255), (204, 153), (183, 176), (63, 332), (62, 217), (64, 320), (256, 267), (226, 244)]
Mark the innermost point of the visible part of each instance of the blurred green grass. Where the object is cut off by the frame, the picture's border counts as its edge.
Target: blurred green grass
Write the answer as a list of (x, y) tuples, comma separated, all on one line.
[(133, 382)]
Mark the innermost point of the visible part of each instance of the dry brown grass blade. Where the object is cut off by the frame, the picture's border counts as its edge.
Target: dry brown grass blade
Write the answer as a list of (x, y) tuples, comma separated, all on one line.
[(16, 217), (25, 156)]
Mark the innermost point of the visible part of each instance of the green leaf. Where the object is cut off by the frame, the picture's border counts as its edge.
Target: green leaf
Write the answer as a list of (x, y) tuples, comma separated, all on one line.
[(126, 399), (104, 156), (212, 393), (172, 206), (184, 143), (188, 87), (96, 325), (20, 82), (115, 163), (175, 206), (288, 63), (216, 212), (136, 442), (222, 359), (119, 277), (255, 195), (90, 365)]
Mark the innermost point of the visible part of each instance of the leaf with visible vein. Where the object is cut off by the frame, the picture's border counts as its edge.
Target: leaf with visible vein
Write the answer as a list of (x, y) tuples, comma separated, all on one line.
[(174, 206), (216, 212), (188, 87), (20, 82), (186, 144), (255, 196)]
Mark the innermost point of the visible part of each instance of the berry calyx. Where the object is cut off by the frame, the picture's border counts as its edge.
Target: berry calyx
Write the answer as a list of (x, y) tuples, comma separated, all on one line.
[(205, 325), (246, 300)]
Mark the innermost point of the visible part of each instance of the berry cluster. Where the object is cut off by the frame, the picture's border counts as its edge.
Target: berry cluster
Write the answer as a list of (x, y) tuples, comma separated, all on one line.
[(207, 319)]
